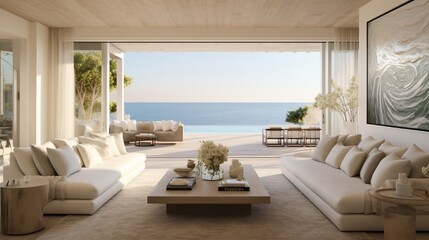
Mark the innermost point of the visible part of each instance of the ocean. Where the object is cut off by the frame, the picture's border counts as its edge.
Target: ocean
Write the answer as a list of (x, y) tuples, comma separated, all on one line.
[(214, 117)]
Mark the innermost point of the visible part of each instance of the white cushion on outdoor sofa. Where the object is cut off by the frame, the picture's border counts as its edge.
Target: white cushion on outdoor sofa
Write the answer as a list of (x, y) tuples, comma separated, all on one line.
[(90, 183), (343, 193)]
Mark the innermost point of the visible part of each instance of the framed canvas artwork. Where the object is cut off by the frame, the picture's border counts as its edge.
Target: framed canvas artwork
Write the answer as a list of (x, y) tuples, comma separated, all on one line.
[(398, 67)]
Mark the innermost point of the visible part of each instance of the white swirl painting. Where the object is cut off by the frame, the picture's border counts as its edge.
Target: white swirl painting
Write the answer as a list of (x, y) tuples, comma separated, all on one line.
[(398, 67)]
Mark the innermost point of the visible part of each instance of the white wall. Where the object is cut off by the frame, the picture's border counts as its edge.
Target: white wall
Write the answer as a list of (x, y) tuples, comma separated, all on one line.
[(397, 136)]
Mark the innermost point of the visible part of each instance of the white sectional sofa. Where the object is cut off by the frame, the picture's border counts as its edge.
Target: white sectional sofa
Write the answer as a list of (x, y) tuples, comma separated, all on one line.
[(344, 199), (85, 190)]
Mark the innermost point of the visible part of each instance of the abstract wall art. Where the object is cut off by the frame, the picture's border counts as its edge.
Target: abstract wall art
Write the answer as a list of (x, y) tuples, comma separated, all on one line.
[(398, 67)]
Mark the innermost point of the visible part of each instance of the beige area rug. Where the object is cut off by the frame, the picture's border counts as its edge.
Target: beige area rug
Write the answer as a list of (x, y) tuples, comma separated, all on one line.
[(127, 216)]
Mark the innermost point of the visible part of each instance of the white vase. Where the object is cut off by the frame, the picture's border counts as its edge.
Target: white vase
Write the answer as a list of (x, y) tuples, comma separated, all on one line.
[(350, 127)]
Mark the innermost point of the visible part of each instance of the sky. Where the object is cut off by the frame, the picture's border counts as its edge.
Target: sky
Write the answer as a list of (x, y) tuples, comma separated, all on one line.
[(223, 76)]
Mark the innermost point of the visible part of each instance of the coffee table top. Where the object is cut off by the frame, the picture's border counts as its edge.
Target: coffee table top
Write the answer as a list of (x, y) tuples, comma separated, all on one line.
[(206, 192)]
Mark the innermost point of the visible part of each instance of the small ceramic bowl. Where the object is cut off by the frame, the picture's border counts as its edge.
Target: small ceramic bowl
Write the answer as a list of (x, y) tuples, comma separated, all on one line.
[(183, 172)]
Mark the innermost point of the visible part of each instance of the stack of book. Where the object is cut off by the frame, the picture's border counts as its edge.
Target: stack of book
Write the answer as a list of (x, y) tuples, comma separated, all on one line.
[(233, 185), (189, 183)]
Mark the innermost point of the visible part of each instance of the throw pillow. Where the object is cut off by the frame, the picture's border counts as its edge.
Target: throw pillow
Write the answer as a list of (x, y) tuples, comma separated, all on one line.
[(336, 156), (157, 126), (64, 160), (72, 142), (175, 126), (24, 159), (90, 155), (117, 123), (352, 140), (132, 125), (110, 140), (124, 125), (389, 148), (389, 168), (167, 125), (100, 144), (368, 143), (353, 161), (342, 138), (119, 139), (41, 160), (323, 148), (418, 159), (371, 162)]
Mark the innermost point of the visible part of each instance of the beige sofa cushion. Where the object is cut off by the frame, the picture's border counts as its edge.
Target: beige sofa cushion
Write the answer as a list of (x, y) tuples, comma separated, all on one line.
[(41, 160), (352, 140), (389, 168), (90, 155), (90, 183), (64, 160), (342, 138), (389, 148), (372, 160), (353, 161), (343, 193), (336, 156), (25, 161), (72, 142), (368, 143), (418, 159), (324, 148), (102, 146)]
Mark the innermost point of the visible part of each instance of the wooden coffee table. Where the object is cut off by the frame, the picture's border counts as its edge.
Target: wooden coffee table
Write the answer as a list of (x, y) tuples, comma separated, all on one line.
[(141, 137), (205, 198)]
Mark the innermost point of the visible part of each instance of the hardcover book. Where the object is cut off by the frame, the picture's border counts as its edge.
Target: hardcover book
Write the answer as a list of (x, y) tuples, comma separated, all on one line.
[(222, 187)]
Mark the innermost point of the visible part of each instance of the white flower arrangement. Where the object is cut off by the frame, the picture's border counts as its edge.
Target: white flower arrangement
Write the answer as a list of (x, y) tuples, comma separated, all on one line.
[(425, 170), (212, 155), (344, 102)]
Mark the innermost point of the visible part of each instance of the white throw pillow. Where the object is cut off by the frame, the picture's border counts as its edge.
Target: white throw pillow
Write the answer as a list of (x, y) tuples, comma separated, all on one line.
[(389, 148), (418, 159), (110, 140), (72, 142), (100, 144), (167, 125), (371, 162), (323, 148), (389, 168), (24, 158), (64, 160), (90, 155), (369, 143), (336, 156), (353, 161), (119, 139), (41, 160), (175, 126), (157, 125), (132, 125), (124, 125)]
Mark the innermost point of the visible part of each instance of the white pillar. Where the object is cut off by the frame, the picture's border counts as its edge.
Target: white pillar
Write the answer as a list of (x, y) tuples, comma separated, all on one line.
[(105, 87), (120, 108)]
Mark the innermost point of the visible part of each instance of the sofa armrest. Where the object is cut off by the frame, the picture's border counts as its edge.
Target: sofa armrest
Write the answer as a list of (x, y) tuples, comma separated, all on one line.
[(115, 129)]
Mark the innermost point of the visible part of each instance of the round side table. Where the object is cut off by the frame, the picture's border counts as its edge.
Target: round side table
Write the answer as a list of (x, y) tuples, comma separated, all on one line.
[(141, 137), (399, 221), (22, 206)]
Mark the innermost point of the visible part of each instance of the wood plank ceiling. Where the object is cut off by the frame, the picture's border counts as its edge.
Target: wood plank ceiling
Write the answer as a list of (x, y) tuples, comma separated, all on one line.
[(189, 13)]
